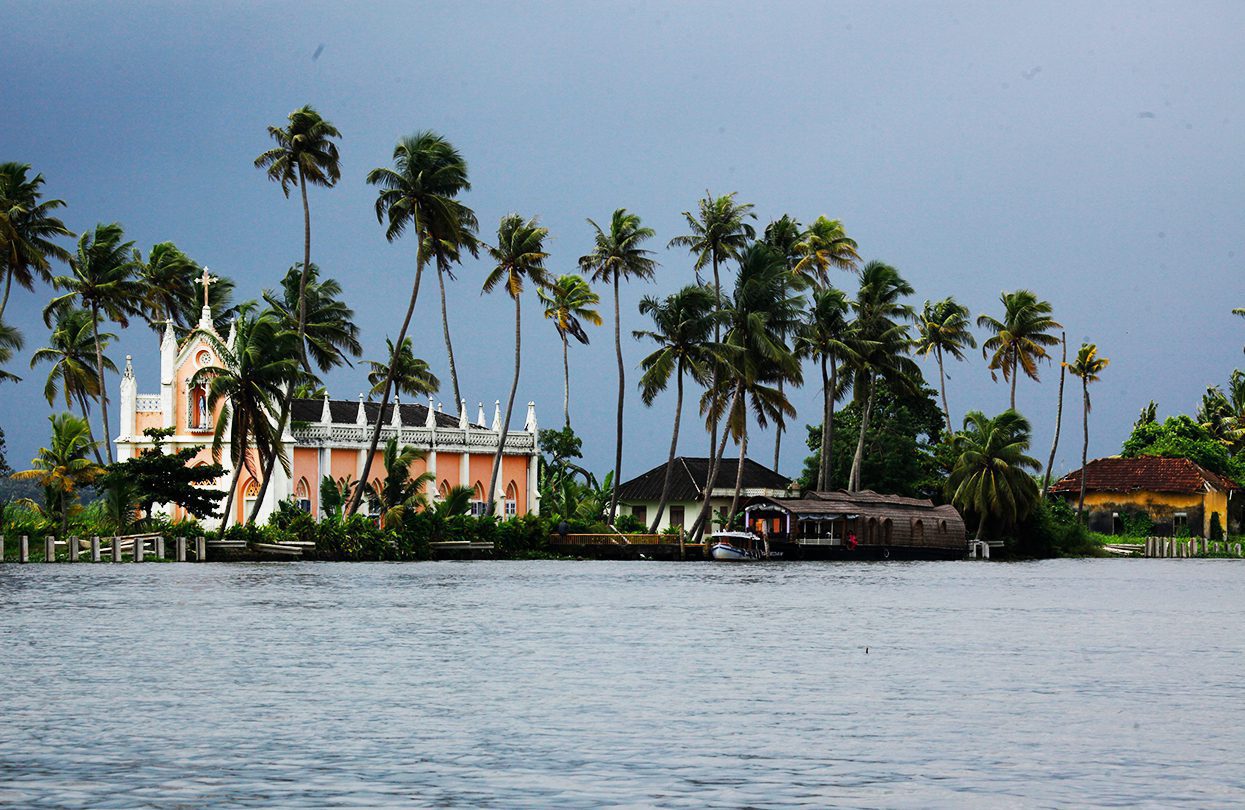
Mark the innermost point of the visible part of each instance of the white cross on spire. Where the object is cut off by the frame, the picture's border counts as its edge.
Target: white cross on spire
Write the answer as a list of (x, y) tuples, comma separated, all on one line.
[(206, 279)]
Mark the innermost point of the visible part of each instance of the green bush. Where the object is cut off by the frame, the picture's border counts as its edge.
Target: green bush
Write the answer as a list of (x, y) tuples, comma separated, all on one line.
[(1052, 530), (630, 524), (1216, 527), (1136, 524)]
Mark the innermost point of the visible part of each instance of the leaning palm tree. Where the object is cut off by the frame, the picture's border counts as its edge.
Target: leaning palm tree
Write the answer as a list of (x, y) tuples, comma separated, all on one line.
[(568, 299), (520, 255), (683, 331), (102, 281), (943, 329), (27, 228), (168, 279), (1087, 365), (245, 389), (64, 467), (825, 245), (880, 332), (1054, 445), (330, 337), (993, 475), (71, 351), (400, 493), (420, 193), (412, 377), (1020, 339), (825, 336), (10, 341), (616, 255)]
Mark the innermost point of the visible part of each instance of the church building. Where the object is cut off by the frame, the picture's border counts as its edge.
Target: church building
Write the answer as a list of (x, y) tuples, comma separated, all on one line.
[(328, 437)]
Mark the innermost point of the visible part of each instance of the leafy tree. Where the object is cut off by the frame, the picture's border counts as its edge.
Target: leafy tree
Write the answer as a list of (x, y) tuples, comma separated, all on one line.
[(616, 255), (1087, 366), (943, 329), (63, 468), (993, 474), (1020, 339), (825, 336), (1182, 437), (161, 477), (568, 299), (72, 353), (400, 493), (1223, 413), (683, 323), (412, 378), (420, 192), (520, 256), (27, 228), (558, 450)]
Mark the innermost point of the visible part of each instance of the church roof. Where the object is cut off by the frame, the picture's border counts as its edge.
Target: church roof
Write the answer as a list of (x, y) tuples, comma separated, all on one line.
[(346, 412)]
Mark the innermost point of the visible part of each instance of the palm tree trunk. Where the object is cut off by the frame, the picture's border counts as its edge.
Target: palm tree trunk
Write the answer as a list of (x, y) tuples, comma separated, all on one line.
[(717, 338), (674, 444), (566, 383), (621, 382), (981, 524), (777, 434), (823, 455), (227, 515), (505, 425), (1080, 504), (353, 504), (942, 379), (86, 416), (715, 460), (834, 387), (1063, 370), (103, 390), (739, 472), (8, 285), (445, 327), (858, 461), (271, 462), (1015, 374)]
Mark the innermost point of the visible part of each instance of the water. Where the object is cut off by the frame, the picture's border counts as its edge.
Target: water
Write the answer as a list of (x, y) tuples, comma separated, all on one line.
[(572, 684)]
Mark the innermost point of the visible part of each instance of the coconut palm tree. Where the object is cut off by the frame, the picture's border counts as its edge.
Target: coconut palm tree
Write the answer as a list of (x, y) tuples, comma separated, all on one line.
[(102, 281), (1222, 414), (420, 193), (880, 332), (63, 468), (27, 228), (826, 336), (520, 255), (616, 255), (943, 329), (784, 235), (400, 494), (10, 341), (72, 355), (413, 376), (1054, 445), (992, 475), (825, 245), (683, 331), (330, 337), (168, 280), (249, 381), (1019, 340), (568, 299), (1088, 366)]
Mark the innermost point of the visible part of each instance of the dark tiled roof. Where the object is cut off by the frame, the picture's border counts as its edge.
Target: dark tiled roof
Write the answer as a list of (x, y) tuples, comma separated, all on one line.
[(1143, 474), (344, 412), (689, 474)]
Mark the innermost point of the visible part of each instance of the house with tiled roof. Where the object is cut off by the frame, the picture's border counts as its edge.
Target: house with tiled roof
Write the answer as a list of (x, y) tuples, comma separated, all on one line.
[(1177, 494), (641, 495)]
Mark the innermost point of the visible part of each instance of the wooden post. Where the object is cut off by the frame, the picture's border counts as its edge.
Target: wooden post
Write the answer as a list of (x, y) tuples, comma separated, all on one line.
[(200, 549), (23, 549), (1236, 549), (116, 549), (95, 548), (1, 548), (181, 549), (49, 549), (139, 548), (682, 550), (160, 547), (73, 548)]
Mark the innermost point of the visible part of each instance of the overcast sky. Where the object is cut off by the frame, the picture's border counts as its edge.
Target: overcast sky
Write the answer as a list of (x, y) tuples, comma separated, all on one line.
[(1090, 152)]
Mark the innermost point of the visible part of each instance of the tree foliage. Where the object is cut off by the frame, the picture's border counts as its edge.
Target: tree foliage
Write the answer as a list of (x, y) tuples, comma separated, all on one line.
[(161, 477), (1182, 437)]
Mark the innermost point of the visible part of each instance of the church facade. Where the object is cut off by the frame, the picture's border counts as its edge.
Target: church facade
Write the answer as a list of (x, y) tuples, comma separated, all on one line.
[(328, 437)]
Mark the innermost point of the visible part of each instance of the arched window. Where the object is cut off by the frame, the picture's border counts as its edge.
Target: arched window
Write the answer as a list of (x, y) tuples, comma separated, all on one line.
[(198, 417), (250, 493), (478, 504), (512, 500), (886, 531), (443, 490), (302, 494), (918, 532)]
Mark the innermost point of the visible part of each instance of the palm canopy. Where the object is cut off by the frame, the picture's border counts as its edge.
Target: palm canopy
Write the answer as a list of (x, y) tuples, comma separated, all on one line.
[(1087, 365), (72, 355), (719, 231), (1020, 339), (419, 193), (825, 330), (825, 245), (329, 328), (304, 151), (400, 493), (101, 277), (568, 299), (943, 328), (10, 341), (27, 228), (616, 253), (519, 254), (412, 376), (683, 331), (168, 279), (784, 235), (64, 467), (993, 473), (880, 329)]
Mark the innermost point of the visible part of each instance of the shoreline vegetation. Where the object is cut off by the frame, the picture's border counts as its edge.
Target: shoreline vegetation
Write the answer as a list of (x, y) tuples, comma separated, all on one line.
[(763, 308)]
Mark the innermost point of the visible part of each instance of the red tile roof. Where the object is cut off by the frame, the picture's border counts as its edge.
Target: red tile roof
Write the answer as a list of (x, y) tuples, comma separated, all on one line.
[(1143, 474)]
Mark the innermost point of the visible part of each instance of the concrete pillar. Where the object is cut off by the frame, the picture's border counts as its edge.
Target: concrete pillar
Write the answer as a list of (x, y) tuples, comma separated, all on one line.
[(140, 548), (1, 548), (200, 549), (116, 549), (73, 548), (49, 549), (95, 548), (1236, 549), (23, 549), (160, 547), (181, 549)]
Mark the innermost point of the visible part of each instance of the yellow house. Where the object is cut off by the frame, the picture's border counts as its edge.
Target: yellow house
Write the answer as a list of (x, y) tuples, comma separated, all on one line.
[(1178, 495)]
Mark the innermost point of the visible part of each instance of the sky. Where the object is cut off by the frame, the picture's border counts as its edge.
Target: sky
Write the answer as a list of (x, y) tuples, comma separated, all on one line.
[(1089, 152)]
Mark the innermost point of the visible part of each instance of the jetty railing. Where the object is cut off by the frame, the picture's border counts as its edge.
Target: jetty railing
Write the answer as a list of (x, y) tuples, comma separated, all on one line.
[(138, 547), (613, 540), (1182, 547)]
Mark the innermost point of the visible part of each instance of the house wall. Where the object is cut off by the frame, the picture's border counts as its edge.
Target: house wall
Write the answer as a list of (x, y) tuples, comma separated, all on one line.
[(1160, 506), (691, 510)]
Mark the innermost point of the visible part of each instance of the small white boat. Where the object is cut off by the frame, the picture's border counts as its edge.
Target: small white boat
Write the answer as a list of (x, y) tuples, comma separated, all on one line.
[(736, 547)]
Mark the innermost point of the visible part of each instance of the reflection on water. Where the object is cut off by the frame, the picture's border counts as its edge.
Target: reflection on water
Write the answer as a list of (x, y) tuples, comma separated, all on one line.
[(584, 684)]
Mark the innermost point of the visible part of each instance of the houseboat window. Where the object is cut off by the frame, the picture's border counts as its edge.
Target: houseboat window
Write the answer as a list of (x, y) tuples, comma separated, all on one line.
[(676, 516), (886, 532), (918, 531)]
